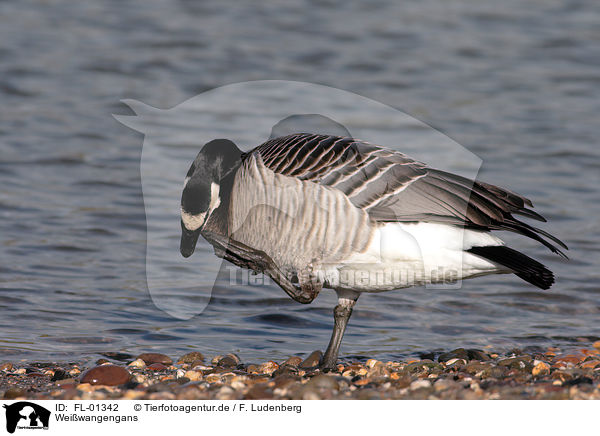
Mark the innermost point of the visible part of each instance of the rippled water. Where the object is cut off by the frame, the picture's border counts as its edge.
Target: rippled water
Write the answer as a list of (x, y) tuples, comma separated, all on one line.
[(517, 84)]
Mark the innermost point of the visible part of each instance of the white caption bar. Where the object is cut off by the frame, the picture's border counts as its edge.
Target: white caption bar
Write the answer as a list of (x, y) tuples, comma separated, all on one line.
[(287, 418)]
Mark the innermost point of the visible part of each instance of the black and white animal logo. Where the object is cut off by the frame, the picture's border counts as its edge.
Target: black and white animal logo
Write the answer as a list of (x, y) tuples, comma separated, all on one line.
[(26, 415)]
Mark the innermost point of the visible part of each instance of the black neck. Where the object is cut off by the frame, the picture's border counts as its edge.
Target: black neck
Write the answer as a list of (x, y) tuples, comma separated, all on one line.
[(218, 222)]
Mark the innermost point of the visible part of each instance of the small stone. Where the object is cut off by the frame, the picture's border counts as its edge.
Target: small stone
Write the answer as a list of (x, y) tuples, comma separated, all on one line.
[(293, 361), (418, 384), (284, 381), (312, 361), (456, 362), (310, 394), (67, 383), (371, 363), (259, 391), (541, 368), (193, 375), (562, 376), (229, 361), (108, 375), (363, 382), (378, 370), (354, 370), (59, 374), (494, 372), (6, 366), (157, 367), (12, 393), (226, 393), (459, 353), (596, 345), (133, 394), (253, 369), (74, 372), (322, 381), (475, 354), (150, 358), (138, 364), (285, 370), (140, 378), (565, 359), (212, 378), (475, 367), (121, 357), (519, 362), (21, 371), (268, 367), (191, 358), (101, 361), (443, 384)]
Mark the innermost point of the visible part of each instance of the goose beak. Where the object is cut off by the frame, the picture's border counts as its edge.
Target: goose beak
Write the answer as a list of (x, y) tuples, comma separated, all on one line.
[(188, 241)]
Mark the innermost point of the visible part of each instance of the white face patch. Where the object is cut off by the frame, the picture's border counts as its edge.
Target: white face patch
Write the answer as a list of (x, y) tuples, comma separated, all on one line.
[(215, 200), (194, 222)]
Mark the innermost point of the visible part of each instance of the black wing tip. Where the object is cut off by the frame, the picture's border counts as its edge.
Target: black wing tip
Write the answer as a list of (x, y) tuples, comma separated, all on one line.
[(523, 266)]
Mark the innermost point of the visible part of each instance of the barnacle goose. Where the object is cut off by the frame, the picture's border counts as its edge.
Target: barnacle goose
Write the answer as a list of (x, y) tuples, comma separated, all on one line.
[(315, 211)]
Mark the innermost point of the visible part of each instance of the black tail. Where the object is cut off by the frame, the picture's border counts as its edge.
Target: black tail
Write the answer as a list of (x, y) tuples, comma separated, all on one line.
[(523, 266)]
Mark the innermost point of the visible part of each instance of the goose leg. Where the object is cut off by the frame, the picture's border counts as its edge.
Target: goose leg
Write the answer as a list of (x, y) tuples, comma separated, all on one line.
[(341, 315)]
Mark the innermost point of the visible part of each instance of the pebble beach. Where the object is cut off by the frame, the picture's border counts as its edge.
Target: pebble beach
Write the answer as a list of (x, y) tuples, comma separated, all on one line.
[(460, 374)]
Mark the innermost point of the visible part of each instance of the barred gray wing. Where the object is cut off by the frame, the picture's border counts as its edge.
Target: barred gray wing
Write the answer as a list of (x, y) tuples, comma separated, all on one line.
[(392, 187)]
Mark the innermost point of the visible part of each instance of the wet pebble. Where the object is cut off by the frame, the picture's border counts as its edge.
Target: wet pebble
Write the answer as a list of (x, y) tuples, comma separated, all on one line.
[(12, 393), (109, 375), (312, 361), (67, 383), (514, 376), (150, 358), (540, 368), (268, 367), (59, 374), (459, 353), (157, 367), (420, 384), (121, 357), (259, 391), (293, 361), (569, 359), (137, 364), (228, 361), (322, 381), (192, 358)]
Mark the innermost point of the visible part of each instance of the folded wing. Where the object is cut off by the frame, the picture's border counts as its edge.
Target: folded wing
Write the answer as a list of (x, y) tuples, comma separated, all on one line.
[(392, 187)]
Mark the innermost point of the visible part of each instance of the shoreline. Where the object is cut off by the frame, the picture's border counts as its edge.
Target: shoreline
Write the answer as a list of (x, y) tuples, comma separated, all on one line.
[(456, 374)]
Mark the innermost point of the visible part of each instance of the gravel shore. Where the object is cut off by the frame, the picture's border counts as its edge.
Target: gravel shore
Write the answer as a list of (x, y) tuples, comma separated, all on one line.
[(457, 374)]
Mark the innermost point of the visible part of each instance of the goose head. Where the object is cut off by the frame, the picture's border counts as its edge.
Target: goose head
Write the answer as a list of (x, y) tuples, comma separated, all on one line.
[(201, 194)]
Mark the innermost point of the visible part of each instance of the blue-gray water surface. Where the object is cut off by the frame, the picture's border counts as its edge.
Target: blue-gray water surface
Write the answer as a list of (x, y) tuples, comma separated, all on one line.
[(517, 83)]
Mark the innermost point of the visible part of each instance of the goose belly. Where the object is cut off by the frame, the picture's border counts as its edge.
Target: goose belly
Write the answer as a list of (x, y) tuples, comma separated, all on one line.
[(406, 254)]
